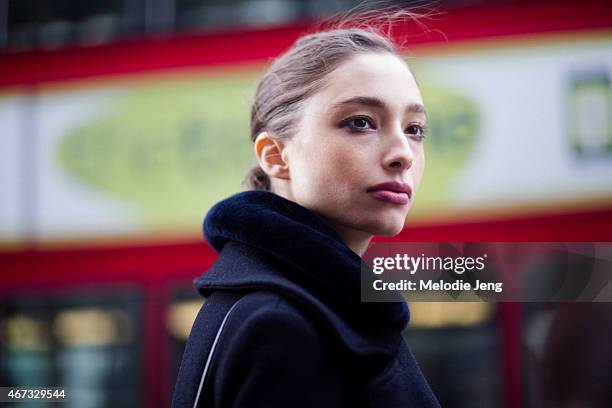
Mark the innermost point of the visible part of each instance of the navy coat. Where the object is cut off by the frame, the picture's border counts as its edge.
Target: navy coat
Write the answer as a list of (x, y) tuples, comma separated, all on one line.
[(297, 334)]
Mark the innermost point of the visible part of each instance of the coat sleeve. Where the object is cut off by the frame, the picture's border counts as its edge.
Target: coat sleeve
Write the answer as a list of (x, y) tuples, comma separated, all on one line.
[(274, 357)]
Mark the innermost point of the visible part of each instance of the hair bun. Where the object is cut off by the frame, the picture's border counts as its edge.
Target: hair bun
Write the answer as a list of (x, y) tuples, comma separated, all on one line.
[(257, 179)]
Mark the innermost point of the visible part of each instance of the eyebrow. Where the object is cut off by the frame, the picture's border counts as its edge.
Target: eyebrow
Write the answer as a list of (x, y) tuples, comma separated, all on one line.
[(377, 103)]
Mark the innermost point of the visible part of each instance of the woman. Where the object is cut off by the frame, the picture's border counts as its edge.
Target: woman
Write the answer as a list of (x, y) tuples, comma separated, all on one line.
[(338, 125)]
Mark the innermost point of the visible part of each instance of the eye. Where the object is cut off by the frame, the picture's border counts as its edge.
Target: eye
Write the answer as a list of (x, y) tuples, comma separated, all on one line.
[(358, 123), (417, 130)]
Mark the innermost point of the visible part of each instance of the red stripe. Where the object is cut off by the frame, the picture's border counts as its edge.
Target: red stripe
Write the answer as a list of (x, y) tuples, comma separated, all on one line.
[(126, 57), (584, 226), (143, 265), (156, 264)]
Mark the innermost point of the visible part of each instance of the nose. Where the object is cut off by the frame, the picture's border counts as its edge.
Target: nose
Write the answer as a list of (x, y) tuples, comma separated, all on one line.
[(399, 155)]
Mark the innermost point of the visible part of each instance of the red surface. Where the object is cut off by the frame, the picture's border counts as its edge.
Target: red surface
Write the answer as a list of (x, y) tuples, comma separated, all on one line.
[(162, 263), (473, 22), (584, 226)]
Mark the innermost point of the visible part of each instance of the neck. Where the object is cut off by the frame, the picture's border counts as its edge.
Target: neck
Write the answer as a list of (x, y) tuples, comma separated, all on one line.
[(356, 240)]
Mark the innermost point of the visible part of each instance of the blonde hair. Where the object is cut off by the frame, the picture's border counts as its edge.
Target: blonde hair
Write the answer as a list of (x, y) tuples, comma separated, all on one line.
[(303, 69)]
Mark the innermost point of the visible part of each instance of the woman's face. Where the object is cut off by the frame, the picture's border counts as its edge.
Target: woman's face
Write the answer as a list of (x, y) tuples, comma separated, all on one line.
[(361, 130)]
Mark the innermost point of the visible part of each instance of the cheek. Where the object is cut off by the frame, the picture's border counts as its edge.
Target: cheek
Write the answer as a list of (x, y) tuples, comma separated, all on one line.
[(333, 170), (418, 169), (344, 169)]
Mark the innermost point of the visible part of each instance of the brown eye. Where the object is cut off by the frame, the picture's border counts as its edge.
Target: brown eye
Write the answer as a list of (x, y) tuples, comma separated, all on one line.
[(358, 123), (416, 130)]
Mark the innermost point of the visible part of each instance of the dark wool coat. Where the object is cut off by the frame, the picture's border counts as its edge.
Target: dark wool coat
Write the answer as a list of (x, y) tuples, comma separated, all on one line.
[(298, 334)]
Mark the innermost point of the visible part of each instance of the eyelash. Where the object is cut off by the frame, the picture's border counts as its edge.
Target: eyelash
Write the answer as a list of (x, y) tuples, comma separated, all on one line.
[(347, 123)]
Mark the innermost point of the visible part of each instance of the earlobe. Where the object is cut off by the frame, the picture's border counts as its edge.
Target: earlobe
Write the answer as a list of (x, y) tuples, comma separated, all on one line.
[(271, 155)]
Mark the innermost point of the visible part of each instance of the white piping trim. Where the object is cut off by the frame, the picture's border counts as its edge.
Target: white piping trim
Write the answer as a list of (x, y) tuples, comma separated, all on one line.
[(212, 350)]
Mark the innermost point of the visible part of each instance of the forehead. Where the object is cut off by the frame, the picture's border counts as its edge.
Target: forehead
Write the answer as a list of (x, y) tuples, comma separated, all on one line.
[(380, 75)]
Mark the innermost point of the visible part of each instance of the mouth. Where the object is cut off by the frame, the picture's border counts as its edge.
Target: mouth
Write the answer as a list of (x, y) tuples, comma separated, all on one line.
[(393, 192), (391, 196)]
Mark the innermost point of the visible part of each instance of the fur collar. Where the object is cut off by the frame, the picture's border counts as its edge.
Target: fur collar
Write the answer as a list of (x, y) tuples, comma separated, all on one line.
[(268, 242)]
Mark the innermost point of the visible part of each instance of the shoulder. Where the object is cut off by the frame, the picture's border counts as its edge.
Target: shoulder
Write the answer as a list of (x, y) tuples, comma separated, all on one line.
[(270, 354), (268, 317), (267, 332)]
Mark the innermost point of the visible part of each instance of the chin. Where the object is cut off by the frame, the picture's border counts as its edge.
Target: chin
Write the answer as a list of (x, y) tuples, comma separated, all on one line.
[(385, 228), (390, 232)]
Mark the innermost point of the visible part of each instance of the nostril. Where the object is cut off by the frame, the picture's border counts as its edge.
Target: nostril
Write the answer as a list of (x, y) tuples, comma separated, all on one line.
[(399, 164)]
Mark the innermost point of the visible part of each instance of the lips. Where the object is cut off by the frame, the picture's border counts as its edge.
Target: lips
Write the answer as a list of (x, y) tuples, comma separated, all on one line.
[(394, 192)]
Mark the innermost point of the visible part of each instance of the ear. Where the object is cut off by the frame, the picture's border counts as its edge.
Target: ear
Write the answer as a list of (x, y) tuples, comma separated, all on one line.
[(270, 154)]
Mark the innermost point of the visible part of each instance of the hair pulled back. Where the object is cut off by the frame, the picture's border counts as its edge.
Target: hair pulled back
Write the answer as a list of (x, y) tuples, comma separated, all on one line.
[(303, 69)]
